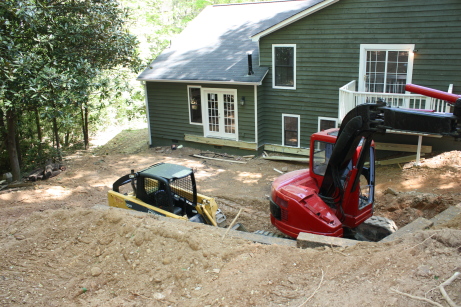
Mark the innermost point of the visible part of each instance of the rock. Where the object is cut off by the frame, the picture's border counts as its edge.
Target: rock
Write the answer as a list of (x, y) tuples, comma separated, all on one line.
[(155, 280), (8, 177), (96, 271), (19, 237), (391, 191), (105, 240), (194, 245), (166, 261), (86, 240), (424, 271), (284, 169), (159, 296), (139, 239)]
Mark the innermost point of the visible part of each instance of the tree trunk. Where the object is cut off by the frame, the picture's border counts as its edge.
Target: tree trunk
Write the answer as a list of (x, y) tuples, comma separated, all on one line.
[(11, 143), (56, 137), (18, 147), (86, 138), (39, 132), (2, 130), (66, 139)]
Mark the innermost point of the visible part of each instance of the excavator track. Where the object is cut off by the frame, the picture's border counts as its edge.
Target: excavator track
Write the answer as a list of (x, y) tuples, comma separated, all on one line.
[(270, 234)]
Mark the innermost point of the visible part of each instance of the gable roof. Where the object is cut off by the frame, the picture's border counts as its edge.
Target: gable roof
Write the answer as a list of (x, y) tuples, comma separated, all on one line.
[(314, 8), (214, 46)]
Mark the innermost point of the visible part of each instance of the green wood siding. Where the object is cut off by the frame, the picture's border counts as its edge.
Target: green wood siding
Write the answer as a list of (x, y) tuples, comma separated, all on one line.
[(328, 50), (169, 113)]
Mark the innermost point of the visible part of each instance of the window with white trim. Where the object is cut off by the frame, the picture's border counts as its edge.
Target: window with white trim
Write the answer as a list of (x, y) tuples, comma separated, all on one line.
[(291, 127), (195, 104), (327, 123), (385, 68), (284, 66)]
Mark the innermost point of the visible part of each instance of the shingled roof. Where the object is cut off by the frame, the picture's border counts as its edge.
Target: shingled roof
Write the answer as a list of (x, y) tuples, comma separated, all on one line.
[(214, 46)]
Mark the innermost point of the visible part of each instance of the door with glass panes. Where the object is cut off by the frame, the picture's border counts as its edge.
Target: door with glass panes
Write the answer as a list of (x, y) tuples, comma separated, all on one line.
[(220, 113), (385, 68)]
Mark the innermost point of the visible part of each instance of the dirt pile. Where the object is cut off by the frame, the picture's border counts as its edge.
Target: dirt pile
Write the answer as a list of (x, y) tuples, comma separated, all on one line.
[(110, 258), (405, 207), (450, 159), (408, 192)]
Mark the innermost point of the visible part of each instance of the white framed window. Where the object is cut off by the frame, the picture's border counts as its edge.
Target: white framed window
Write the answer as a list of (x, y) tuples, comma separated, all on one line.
[(325, 123), (385, 68), (284, 66), (194, 104), (291, 124)]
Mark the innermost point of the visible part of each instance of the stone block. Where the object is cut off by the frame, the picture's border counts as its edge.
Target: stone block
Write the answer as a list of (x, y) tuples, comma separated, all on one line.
[(447, 215), (417, 225), (309, 240)]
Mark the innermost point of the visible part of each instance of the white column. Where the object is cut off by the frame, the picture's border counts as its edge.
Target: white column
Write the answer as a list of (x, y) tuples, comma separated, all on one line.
[(146, 101), (418, 152)]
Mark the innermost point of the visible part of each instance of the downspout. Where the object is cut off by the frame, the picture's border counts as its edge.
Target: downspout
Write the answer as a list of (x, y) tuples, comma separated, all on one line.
[(256, 115), (146, 101)]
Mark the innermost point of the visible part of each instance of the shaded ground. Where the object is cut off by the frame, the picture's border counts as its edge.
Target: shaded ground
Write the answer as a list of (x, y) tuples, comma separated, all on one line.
[(58, 251)]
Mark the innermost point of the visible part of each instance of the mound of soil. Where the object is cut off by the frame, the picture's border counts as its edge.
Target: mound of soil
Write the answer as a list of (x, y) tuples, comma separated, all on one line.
[(91, 257), (451, 159)]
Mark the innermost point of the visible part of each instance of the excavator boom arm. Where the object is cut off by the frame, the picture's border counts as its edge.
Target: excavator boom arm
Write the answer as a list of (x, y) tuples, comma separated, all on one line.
[(365, 120)]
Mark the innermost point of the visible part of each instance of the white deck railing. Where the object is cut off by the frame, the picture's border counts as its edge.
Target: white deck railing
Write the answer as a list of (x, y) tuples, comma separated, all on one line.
[(349, 98)]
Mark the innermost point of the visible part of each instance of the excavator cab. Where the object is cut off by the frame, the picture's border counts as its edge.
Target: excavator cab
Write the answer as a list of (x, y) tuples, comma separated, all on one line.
[(302, 209), (353, 202), (323, 145)]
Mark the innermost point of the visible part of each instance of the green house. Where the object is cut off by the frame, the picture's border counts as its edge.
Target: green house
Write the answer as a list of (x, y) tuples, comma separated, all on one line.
[(254, 76)]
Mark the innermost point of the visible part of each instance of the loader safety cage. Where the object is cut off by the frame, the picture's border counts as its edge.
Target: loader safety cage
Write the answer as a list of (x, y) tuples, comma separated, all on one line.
[(167, 186)]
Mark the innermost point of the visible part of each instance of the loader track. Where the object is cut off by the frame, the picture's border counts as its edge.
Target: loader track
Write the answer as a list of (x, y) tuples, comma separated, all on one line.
[(271, 234)]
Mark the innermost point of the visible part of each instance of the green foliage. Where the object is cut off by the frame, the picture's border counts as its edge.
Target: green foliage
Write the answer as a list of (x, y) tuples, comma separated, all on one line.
[(55, 54)]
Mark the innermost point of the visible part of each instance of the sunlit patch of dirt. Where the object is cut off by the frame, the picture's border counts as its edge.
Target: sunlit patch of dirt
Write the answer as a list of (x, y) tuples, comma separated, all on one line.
[(249, 178)]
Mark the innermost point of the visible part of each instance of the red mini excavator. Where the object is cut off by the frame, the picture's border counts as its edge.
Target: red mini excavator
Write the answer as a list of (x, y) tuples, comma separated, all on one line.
[(335, 196)]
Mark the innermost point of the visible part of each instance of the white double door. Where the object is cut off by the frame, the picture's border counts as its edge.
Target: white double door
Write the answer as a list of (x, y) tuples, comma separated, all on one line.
[(219, 107)]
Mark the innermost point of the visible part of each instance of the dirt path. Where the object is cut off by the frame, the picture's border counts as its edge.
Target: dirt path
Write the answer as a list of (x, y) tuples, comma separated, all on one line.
[(57, 251)]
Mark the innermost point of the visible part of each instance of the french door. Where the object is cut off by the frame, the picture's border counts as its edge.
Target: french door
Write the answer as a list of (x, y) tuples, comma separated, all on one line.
[(220, 113)]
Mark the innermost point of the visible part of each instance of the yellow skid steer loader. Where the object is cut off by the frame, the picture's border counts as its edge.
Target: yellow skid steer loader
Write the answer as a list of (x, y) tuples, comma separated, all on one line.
[(167, 190)]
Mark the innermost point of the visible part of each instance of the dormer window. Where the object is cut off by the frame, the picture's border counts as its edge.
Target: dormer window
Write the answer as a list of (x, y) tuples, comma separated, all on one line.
[(284, 66)]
